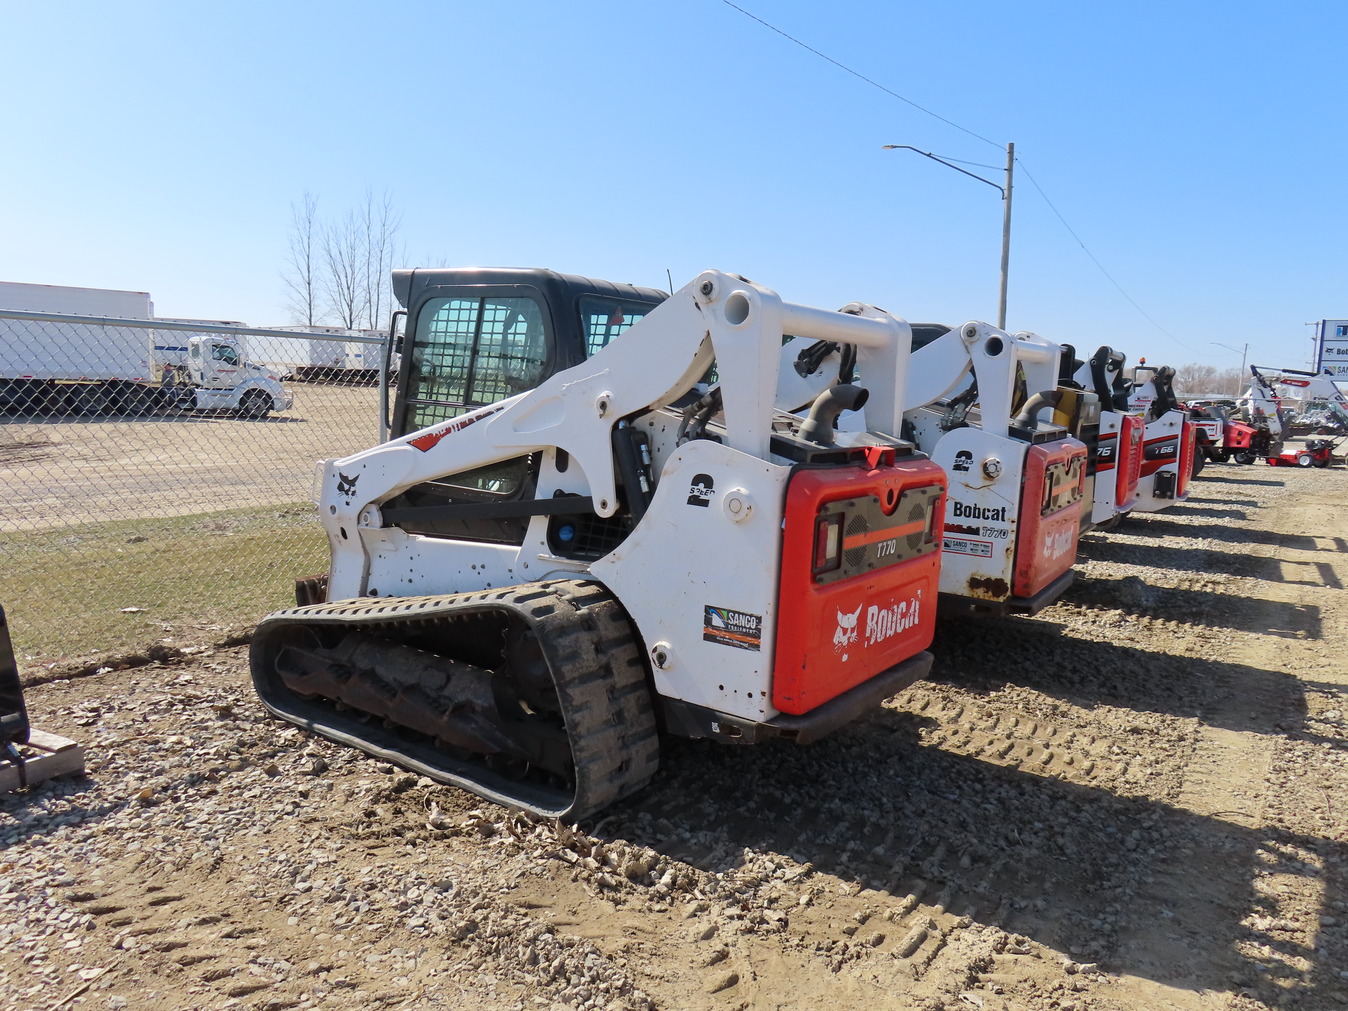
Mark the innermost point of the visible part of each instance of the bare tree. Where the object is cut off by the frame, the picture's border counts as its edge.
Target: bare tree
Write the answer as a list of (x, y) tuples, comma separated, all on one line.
[(345, 271), (302, 269), (1195, 380), (339, 271), (380, 225)]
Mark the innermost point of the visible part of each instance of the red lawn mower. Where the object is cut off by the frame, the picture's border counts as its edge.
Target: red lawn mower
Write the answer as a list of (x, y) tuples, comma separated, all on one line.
[(1315, 453)]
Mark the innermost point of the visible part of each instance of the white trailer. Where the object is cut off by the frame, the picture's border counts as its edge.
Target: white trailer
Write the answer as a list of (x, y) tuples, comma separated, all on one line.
[(65, 351), (81, 350), (319, 354)]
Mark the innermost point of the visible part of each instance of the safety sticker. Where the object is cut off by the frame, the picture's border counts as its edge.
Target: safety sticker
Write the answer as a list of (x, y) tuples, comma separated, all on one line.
[(967, 546), (732, 628)]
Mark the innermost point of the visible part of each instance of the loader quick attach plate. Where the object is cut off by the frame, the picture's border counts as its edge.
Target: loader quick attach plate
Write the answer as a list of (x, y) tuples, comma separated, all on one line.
[(531, 696)]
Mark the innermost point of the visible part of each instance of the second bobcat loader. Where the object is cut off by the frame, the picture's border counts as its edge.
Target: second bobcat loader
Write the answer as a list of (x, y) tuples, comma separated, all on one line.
[(1118, 452), (980, 402), (1169, 440), (577, 539)]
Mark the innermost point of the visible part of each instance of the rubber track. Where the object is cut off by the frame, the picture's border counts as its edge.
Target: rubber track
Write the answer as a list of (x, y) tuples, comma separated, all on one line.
[(598, 668)]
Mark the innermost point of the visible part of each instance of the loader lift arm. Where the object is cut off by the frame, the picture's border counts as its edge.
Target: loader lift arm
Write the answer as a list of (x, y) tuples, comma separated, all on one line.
[(1314, 385)]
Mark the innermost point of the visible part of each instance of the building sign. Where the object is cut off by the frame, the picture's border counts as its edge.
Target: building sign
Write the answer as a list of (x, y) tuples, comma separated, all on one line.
[(1332, 348)]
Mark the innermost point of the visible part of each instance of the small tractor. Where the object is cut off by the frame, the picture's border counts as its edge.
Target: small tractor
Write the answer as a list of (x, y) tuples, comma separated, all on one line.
[(1169, 440)]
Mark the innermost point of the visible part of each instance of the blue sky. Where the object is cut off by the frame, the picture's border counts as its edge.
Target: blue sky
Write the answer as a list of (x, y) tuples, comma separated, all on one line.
[(1196, 150)]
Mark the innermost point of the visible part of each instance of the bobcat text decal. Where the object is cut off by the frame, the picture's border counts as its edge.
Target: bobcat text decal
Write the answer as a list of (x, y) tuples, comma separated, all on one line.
[(882, 622), (994, 514), (886, 622), (430, 440)]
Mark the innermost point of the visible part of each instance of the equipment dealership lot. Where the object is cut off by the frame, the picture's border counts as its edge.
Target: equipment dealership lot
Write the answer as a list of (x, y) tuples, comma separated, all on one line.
[(1138, 799)]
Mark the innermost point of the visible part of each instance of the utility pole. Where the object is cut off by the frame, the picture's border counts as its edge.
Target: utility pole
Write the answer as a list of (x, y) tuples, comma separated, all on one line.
[(1006, 212), (1244, 353), (1006, 234)]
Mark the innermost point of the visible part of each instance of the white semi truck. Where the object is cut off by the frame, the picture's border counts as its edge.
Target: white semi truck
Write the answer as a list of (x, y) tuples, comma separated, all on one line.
[(79, 350)]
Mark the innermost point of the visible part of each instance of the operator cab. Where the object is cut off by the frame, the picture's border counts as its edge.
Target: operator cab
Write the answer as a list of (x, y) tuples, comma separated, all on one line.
[(476, 336)]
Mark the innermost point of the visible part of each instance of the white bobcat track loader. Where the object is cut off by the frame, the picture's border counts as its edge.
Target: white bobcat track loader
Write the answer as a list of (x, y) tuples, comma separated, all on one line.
[(1118, 452), (574, 541), (977, 401), (1169, 440)]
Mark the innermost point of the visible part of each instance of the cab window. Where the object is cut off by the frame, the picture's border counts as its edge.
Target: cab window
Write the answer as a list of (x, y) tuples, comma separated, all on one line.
[(470, 352), (602, 319), (224, 353)]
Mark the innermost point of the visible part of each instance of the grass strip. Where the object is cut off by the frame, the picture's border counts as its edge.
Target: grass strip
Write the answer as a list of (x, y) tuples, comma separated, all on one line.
[(99, 589)]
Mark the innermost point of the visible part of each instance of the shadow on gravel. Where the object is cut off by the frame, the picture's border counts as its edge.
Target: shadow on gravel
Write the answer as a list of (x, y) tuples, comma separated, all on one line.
[(1159, 526), (1167, 556), (1186, 509), (1251, 480), (27, 818), (1132, 595), (1140, 886), (1090, 672), (1199, 500)]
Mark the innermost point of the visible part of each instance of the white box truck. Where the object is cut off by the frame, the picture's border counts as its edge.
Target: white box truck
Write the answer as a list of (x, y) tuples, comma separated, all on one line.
[(90, 367)]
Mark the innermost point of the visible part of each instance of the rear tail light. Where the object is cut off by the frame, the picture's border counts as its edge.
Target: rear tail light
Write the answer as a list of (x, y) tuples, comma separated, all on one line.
[(827, 543)]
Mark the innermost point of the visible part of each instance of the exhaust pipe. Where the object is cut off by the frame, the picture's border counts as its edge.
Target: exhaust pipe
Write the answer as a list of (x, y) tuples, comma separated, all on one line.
[(818, 427), (1028, 418)]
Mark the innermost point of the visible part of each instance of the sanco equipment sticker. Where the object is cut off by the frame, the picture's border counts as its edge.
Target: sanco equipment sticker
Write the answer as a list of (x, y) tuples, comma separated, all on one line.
[(967, 546), (732, 628)]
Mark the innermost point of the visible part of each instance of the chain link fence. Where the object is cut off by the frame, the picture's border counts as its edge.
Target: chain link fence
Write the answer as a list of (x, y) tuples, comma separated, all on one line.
[(156, 475)]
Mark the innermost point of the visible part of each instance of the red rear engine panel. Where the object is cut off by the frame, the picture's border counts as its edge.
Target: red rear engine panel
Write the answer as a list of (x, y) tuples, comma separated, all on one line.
[(1050, 514), (1130, 461), (861, 557), (1188, 446)]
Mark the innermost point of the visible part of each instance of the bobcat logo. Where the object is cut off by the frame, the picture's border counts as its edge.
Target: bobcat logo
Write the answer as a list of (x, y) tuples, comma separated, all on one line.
[(346, 486), (846, 632)]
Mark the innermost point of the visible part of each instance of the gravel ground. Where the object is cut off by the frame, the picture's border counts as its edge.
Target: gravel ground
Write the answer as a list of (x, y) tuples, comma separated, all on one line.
[(1138, 799), (66, 470)]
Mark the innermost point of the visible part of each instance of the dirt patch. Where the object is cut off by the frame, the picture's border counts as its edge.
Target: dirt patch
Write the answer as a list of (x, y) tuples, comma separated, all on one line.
[(1137, 800)]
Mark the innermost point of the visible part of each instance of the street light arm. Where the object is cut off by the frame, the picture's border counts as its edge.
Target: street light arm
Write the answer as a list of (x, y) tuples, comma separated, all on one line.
[(928, 154)]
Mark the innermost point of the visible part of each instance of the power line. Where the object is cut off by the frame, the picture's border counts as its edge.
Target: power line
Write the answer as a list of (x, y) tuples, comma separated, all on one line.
[(1098, 264), (873, 84), (971, 133)]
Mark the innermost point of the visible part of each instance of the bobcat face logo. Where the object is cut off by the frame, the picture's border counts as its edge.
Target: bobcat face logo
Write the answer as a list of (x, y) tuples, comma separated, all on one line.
[(846, 632), (346, 486)]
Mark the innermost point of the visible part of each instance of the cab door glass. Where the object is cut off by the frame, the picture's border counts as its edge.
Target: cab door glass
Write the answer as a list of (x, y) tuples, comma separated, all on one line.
[(224, 354), (469, 352)]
